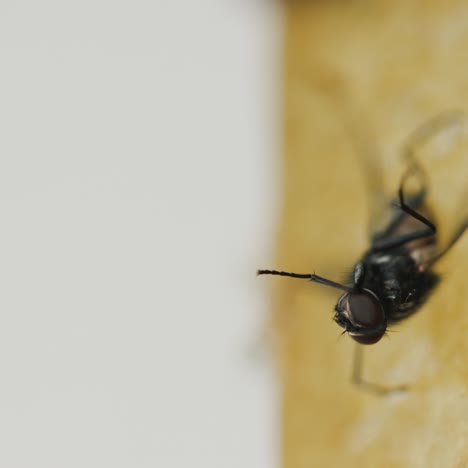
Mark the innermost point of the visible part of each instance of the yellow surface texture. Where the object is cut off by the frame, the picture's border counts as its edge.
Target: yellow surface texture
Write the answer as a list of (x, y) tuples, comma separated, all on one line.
[(367, 71)]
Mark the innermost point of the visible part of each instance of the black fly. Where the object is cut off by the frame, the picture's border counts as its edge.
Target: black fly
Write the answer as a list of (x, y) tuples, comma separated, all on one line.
[(394, 276)]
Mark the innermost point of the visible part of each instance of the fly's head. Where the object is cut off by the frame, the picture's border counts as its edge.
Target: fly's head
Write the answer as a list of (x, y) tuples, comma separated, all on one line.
[(362, 316)]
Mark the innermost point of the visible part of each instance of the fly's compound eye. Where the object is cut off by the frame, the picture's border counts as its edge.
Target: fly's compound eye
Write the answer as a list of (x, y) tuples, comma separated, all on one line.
[(366, 315)]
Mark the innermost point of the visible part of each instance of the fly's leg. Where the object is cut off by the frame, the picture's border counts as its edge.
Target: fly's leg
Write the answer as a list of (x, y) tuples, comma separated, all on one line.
[(406, 208), (417, 199), (414, 201), (458, 233), (428, 231), (310, 276), (357, 379), (415, 141), (411, 148)]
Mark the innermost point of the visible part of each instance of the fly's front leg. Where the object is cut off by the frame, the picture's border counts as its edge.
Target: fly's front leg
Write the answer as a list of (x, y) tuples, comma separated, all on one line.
[(407, 209), (413, 144), (393, 242), (357, 378), (415, 201), (458, 233)]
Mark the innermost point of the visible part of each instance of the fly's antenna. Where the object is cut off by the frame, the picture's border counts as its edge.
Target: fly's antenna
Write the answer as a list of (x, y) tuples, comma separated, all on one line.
[(310, 276)]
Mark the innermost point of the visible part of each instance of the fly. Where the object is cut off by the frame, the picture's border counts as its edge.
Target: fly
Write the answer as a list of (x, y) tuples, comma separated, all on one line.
[(394, 277)]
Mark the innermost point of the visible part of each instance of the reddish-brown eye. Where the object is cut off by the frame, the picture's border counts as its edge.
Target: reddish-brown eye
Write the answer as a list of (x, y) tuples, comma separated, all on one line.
[(366, 310), (368, 337), (366, 313)]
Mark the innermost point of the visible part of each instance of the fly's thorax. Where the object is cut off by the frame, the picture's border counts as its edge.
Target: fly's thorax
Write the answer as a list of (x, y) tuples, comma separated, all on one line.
[(362, 316)]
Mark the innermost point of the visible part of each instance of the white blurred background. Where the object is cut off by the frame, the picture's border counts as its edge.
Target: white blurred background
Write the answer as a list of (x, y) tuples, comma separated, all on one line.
[(139, 144)]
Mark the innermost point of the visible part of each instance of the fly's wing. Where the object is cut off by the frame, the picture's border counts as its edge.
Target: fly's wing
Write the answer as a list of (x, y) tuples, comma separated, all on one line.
[(436, 153), (359, 131), (364, 143), (386, 219), (377, 198), (382, 213)]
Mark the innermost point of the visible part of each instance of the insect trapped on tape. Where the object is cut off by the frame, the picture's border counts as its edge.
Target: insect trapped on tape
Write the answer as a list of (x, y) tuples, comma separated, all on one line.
[(394, 276)]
